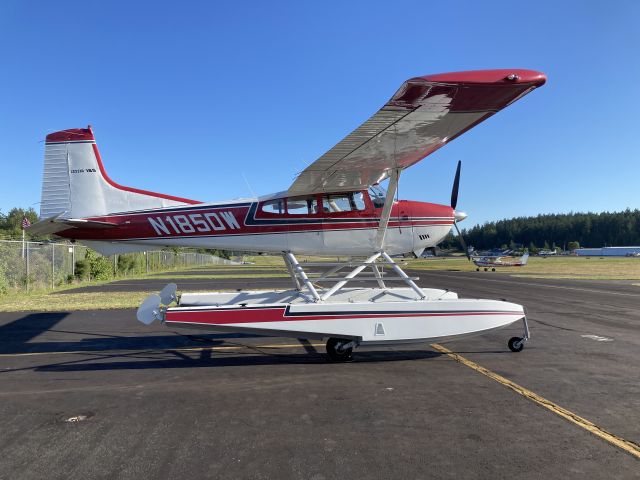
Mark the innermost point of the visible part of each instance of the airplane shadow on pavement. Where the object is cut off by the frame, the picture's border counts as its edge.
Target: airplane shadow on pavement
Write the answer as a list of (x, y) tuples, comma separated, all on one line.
[(208, 359), (99, 351)]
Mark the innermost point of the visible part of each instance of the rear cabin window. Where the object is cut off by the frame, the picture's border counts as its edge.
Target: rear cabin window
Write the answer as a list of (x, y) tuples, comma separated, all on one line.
[(274, 206), (302, 206), (343, 202)]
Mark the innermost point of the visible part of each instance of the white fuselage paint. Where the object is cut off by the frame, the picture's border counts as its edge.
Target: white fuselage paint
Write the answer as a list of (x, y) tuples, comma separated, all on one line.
[(327, 242)]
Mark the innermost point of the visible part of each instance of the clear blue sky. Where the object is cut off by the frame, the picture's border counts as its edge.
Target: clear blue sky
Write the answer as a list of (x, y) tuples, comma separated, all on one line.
[(186, 97)]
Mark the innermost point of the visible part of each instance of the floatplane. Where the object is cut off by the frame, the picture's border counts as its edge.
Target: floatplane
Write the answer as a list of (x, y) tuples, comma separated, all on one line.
[(335, 207)]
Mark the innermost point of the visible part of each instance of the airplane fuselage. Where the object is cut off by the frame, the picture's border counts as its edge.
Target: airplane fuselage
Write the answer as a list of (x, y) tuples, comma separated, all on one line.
[(322, 224)]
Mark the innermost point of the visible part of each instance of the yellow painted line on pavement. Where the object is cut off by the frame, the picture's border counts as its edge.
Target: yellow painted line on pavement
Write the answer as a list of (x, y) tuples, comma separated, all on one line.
[(183, 349), (626, 445)]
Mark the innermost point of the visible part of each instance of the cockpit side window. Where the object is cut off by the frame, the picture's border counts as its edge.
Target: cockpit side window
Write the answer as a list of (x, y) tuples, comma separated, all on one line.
[(358, 201), (343, 202), (377, 194), (302, 205), (274, 206)]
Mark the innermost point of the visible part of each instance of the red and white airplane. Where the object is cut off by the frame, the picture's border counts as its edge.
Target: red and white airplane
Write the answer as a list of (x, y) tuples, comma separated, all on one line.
[(334, 207)]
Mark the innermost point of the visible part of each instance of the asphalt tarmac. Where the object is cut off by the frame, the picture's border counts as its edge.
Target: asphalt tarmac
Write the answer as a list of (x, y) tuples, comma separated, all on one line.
[(98, 395)]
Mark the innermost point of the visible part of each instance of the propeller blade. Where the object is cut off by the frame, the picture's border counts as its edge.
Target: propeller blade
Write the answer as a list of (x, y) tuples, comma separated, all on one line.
[(456, 184), (462, 242), (168, 293), (149, 310)]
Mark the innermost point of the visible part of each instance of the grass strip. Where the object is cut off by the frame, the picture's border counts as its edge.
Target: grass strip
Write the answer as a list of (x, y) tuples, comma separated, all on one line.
[(73, 301), (575, 268), (216, 276)]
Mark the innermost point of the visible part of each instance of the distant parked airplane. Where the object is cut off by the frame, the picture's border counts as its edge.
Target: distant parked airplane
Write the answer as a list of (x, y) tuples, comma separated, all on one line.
[(500, 260)]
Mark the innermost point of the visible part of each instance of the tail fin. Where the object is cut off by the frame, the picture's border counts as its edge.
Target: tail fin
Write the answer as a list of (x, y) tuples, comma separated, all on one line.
[(76, 185), (525, 258)]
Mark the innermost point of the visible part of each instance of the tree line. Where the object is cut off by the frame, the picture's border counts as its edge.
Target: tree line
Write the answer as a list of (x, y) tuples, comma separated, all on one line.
[(11, 223), (550, 231)]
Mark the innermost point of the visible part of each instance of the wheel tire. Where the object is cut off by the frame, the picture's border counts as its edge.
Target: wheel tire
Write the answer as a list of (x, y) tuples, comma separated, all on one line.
[(485, 269), (516, 344), (493, 269), (477, 269), (336, 355)]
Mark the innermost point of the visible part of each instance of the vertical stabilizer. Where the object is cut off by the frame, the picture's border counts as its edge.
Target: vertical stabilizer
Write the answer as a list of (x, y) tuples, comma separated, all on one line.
[(76, 185)]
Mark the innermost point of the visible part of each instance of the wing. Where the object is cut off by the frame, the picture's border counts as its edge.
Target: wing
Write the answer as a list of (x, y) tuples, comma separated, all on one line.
[(423, 115)]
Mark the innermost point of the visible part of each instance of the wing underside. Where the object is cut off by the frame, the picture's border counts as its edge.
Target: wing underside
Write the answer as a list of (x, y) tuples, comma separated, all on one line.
[(423, 115)]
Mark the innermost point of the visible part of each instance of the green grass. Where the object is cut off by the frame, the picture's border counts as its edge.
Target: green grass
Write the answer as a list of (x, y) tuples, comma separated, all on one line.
[(585, 268), (219, 276), (43, 302)]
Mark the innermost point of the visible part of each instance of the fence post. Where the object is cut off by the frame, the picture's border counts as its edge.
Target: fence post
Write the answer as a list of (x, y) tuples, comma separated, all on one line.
[(53, 266), (73, 261), (26, 277), (146, 258)]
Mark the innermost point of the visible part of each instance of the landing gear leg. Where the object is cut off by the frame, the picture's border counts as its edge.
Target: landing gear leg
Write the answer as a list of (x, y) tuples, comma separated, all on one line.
[(340, 349), (516, 344)]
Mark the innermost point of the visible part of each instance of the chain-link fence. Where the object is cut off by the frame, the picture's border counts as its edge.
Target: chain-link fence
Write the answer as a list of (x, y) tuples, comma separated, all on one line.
[(47, 265)]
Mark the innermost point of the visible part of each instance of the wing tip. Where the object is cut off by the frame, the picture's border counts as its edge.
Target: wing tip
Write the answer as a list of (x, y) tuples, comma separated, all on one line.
[(508, 76)]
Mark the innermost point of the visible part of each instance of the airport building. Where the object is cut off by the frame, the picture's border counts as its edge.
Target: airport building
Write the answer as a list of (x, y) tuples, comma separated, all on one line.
[(608, 252)]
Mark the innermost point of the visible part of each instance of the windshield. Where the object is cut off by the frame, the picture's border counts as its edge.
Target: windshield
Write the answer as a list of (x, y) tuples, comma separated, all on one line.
[(377, 194)]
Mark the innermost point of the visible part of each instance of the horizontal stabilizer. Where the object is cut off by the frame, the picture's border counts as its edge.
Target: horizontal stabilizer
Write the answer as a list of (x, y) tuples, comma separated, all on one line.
[(47, 226), (56, 224), (81, 223)]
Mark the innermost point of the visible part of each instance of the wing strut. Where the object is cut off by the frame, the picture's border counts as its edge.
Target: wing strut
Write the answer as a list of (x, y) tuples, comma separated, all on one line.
[(299, 276), (394, 177)]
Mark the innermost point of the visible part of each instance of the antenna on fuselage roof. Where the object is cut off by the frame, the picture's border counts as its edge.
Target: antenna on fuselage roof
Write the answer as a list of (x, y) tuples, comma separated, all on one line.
[(253, 194)]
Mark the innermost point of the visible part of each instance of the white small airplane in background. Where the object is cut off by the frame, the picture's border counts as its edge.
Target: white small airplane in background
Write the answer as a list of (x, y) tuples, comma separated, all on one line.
[(501, 260), (334, 207)]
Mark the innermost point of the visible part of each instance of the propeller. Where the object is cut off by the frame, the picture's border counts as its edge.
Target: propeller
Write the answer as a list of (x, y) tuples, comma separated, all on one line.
[(454, 204), (462, 242), (152, 309), (456, 185), (149, 310)]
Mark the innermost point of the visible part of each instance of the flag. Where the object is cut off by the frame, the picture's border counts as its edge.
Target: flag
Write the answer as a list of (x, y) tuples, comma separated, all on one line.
[(25, 223)]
